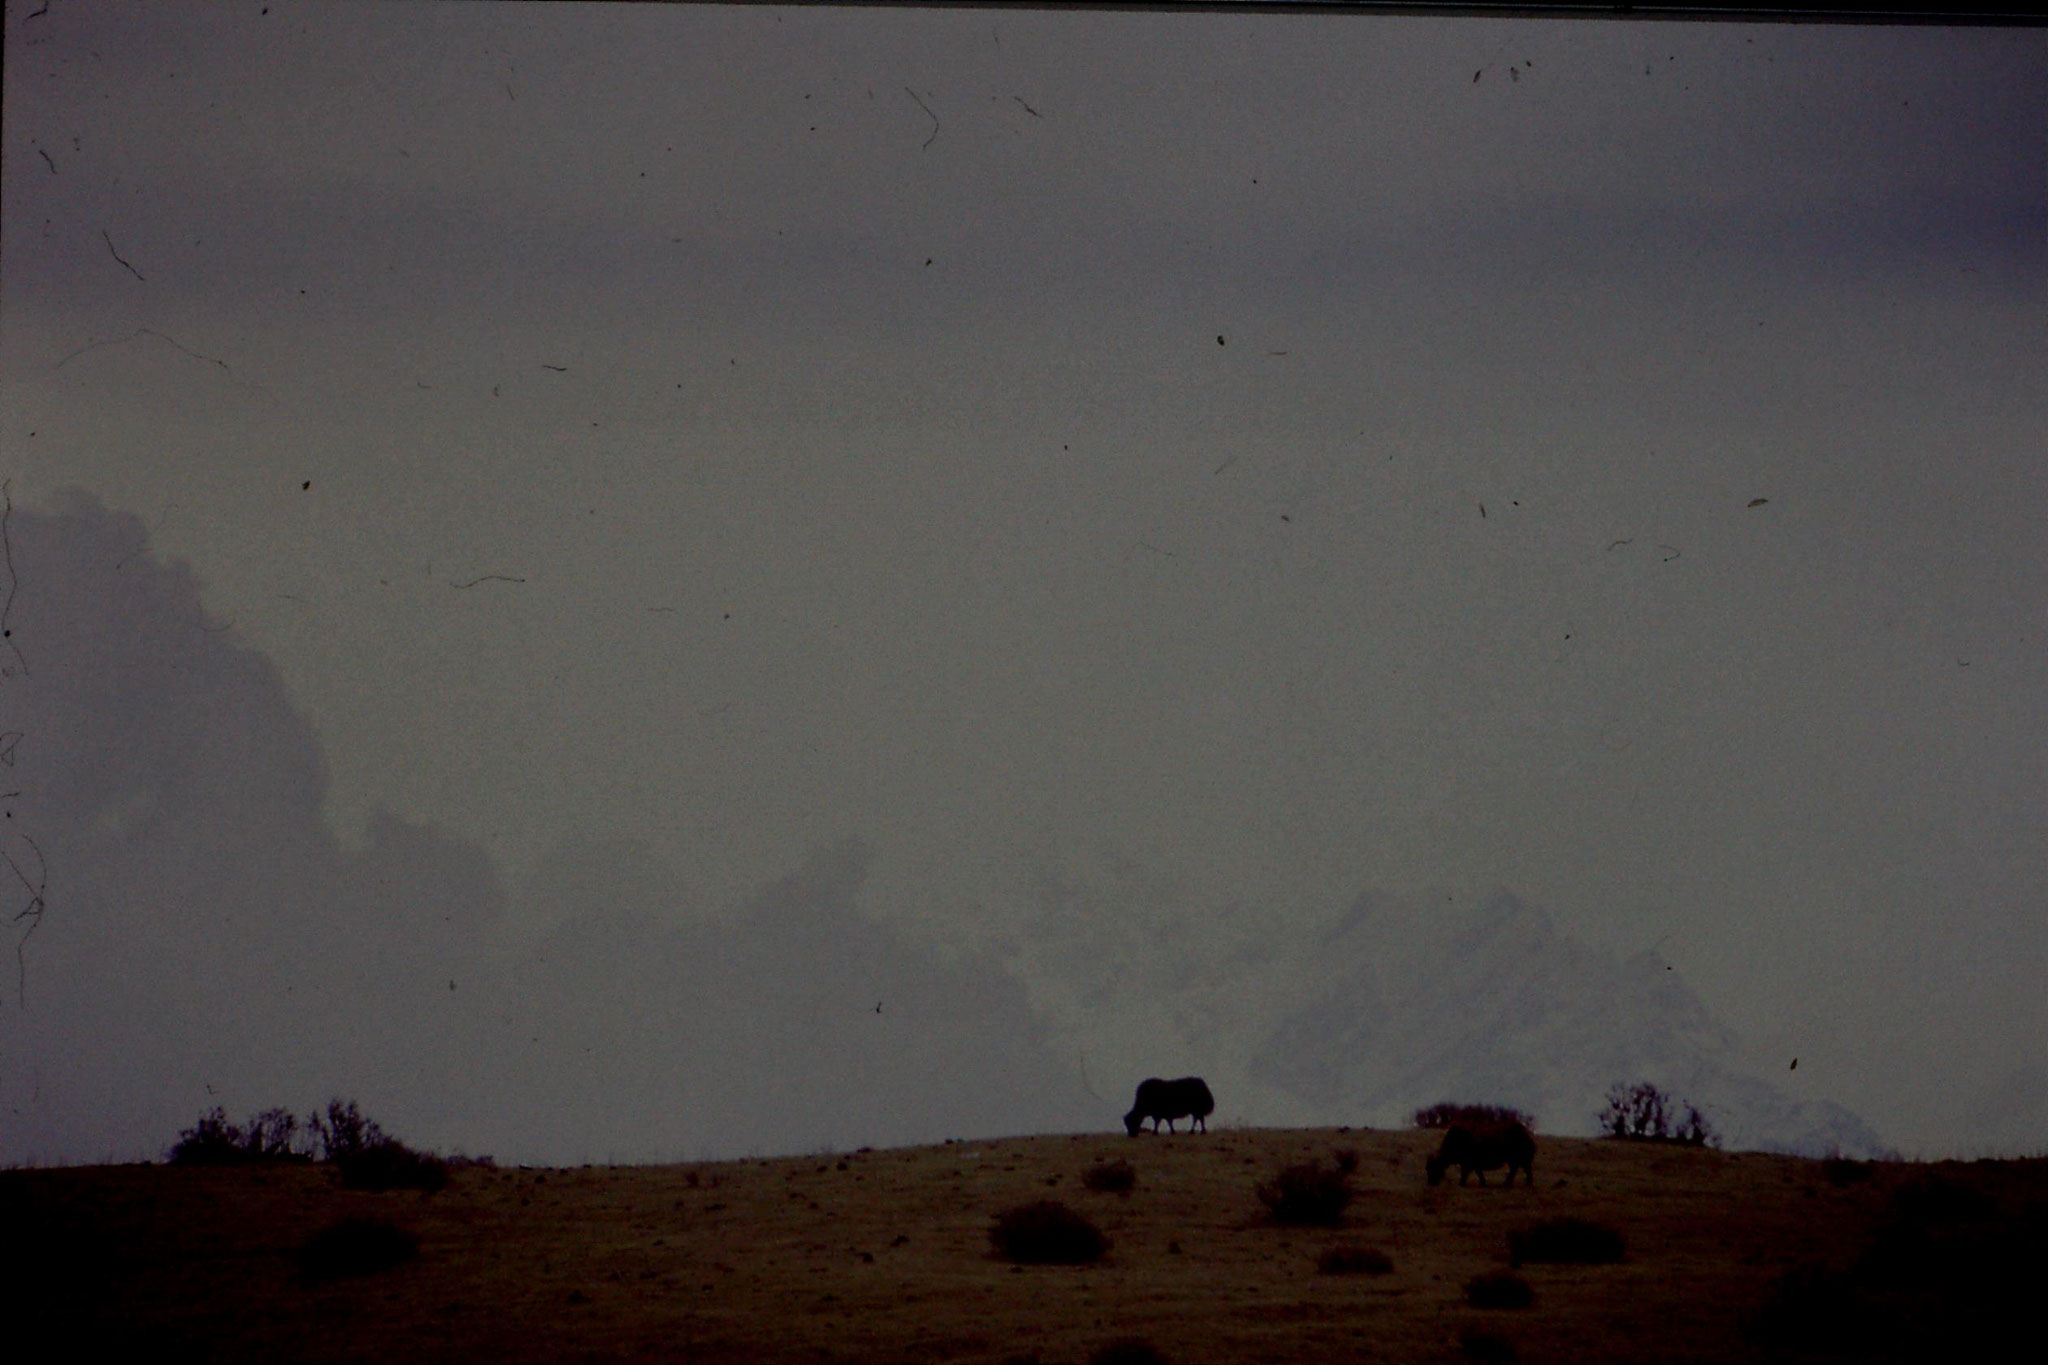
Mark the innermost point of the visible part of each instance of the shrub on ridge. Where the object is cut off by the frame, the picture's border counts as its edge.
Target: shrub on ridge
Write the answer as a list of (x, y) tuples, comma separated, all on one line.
[(1307, 1194), (1047, 1233)]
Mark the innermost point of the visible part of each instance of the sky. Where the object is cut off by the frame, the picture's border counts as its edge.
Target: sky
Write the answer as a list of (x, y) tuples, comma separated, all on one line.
[(571, 496)]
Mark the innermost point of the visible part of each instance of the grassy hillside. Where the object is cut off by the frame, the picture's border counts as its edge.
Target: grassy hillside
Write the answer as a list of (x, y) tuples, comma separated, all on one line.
[(886, 1256)]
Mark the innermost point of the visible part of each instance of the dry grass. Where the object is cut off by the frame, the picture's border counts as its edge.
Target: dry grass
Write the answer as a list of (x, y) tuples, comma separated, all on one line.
[(1128, 1351), (1565, 1241), (391, 1165), (1354, 1260), (1499, 1289), (1476, 1343), (356, 1246), (885, 1257)]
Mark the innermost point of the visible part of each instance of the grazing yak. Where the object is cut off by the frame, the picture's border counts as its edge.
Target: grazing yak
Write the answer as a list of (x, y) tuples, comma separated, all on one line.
[(1482, 1147), (1186, 1098)]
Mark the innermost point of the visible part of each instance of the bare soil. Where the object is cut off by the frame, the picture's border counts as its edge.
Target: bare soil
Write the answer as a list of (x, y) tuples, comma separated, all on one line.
[(878, 1256)]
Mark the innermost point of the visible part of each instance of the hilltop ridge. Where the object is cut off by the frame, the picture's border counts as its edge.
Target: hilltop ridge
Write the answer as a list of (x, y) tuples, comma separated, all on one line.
[(871, 1256)]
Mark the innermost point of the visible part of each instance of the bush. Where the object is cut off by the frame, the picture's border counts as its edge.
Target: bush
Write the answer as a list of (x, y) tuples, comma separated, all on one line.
[(1445, 1113), (1346, 1159), (1565, 1241), (212, 1141), (391, 1165), (271, 1136), (277, 1135), (1047, 1233), (1128, 1351), (1499, 1289), (1812, 1308), (343, 1130), (1479, 1344), (1841, 1171), (1110, 1177), (1354, 1260), (1643, 1113), (1308, 1193), (356, 1246)]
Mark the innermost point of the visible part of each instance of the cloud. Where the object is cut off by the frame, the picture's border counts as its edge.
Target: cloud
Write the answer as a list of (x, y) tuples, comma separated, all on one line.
[(796, 1023), (209, 940), (206, 938)]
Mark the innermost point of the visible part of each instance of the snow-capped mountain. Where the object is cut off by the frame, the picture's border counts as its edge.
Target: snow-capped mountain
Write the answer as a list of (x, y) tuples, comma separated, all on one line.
[(1488, 1002), (1392, 1005)]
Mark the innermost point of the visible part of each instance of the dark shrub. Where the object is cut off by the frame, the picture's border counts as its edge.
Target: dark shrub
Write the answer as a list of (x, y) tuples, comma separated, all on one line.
[(1110, 1177), (212, 1141), (1479, 1344), (1812, 1308), (1445, 1114), (1936, 1199), (1308, 1193), (1643, 1113), (1499, 1289), (343, 1130), (1346, 1159), (277, 1135), (391, 1165), (1128, 1351), (1841, 1171), (273, 1135), (267, 1137), (1354, 1260), (356, 1246), (1047, 1233), (1565, 1241)]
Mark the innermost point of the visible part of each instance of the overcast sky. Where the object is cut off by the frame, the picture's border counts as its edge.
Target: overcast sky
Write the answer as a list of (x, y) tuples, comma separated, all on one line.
[(1305, 455)]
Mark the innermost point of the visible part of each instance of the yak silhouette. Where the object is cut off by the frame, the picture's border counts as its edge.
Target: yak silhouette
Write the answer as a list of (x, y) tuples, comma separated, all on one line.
[(1482, 1147), (1186, 1098)]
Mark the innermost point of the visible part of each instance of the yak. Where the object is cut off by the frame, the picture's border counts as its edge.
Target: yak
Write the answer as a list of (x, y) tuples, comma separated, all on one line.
[(1186, 1098), (1474, 1147)]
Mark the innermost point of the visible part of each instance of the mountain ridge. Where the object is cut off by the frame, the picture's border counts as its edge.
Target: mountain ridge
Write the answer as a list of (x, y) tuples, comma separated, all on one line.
[(1393, 1003)]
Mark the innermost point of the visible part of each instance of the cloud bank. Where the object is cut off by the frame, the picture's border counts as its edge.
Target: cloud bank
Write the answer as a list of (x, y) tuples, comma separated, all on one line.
[(208, 940)]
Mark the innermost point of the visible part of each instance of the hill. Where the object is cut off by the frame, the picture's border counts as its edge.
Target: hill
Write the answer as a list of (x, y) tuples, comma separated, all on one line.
[(886, 1256)]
